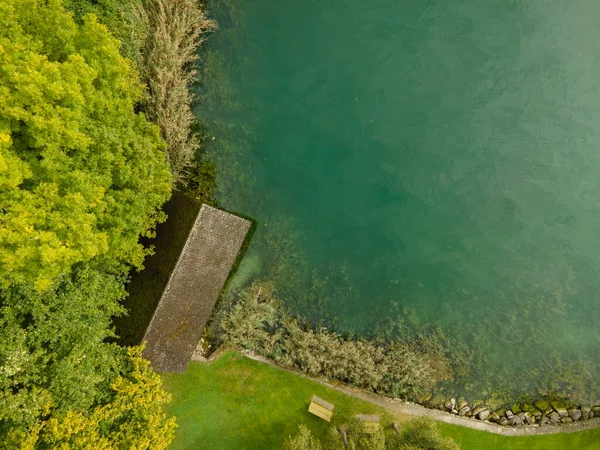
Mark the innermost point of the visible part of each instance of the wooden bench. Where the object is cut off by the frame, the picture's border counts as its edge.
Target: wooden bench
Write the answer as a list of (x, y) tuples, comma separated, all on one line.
[(371, 422), (321, 408)]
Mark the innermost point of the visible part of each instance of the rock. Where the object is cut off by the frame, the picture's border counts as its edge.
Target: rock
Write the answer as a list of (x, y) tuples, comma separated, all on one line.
[(596, 411), (478, 409), (494, 417), (483, 414), (502, 421), (554, 417), (437, 401), (523, 416), (560, 408), (454, 411), (575, 414), (531, 420), (544, 407), (566, 420), (544, 421), (591, 415), (450, 404), (516, 421), (509, 414), (464, 410), (426, 398), (461, 405), (515, 408), (585, 412)]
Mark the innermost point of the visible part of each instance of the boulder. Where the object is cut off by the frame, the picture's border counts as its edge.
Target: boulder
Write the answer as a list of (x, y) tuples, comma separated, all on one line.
[(544, 407), (478, 409), (494, 417), (502, 421), (554, 417), (560, 408), (426, 398), (591, 415), (566, 420), (585, 412), (596, 411), (516, 421), (437, 401), (575, 414), (482, 415), (509, 414), (464, 410), (544, 421), (461, 405), (450, 404)]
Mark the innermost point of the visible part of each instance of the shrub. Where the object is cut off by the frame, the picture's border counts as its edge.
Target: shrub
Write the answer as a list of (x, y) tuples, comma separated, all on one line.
[(304, 440), (421, 434)]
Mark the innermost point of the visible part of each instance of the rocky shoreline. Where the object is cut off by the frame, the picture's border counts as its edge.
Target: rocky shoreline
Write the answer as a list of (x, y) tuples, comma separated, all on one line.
[(541, 413)]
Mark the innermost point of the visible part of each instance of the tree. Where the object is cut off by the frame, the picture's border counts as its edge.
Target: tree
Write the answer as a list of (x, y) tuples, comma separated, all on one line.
[(61, 382), (82, 175)]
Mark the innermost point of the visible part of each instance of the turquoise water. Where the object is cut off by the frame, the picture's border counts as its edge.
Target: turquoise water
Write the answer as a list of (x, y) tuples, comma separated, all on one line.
[(432, 160)]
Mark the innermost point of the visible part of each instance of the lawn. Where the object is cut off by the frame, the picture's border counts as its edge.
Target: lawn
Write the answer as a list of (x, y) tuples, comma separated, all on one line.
[(238, 403)]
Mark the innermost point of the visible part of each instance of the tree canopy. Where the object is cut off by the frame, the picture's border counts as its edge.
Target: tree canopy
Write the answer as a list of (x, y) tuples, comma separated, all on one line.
[(82, 175)]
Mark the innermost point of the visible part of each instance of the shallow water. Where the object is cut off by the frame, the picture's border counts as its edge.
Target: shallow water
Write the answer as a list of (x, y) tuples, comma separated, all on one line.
[(434, 159)]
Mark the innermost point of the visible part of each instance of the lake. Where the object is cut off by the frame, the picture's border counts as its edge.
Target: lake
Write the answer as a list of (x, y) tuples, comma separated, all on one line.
[(435, 162)]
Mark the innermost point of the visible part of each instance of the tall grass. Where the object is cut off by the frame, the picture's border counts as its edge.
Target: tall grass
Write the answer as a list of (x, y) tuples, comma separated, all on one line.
[(177, 28)]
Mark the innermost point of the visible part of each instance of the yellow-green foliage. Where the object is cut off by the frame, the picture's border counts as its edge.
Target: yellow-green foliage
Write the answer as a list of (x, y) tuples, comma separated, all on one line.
[(133, 419), (81, 174)]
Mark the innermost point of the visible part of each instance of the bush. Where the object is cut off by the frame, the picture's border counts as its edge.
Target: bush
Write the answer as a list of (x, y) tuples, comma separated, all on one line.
[(257, 321), (421, 434)]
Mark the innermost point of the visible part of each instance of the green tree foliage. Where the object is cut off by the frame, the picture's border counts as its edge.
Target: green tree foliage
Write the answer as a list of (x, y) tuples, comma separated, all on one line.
[(61, 382), (82, 175), (124, 18)]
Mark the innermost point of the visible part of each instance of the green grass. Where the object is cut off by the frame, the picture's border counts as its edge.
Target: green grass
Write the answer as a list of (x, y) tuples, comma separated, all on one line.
[(236, 403)]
